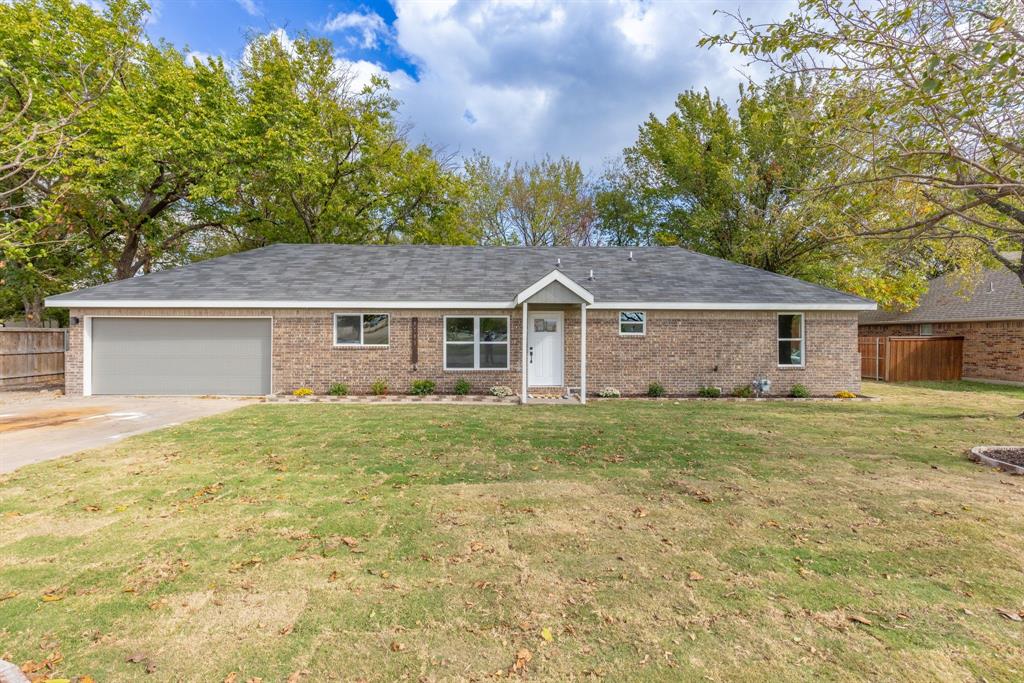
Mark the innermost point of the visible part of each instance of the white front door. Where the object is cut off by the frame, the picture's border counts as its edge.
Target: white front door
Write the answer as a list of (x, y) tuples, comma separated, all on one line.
[(545, 348)]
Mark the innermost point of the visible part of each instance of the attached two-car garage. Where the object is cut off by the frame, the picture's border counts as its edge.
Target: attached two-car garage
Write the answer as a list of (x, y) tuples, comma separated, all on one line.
[(179, 356)]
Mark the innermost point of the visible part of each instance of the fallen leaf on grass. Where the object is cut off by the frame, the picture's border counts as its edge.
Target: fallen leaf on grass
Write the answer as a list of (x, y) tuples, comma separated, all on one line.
[(396, 646), (91, 508), (52, 597), (859, 620), (696, 576), (349, 541), (8, 596), (546, 634), (523, 657), (294, 677), (231, 677), (476, 546), (285, 630), (1009, 614), (333, 577), (639, 513)]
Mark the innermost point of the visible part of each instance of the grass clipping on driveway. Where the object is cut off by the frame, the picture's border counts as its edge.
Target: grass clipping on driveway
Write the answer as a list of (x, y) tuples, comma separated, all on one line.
[(627, 540)]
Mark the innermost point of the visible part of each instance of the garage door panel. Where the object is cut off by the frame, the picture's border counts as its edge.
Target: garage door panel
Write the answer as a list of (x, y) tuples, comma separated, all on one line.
[(180, 356)]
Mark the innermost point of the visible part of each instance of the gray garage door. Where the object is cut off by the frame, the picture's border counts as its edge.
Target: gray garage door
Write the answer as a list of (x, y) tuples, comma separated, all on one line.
[(180, 356)]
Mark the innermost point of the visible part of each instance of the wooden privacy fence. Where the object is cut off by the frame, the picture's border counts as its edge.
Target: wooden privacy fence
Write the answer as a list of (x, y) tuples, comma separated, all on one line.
[(909, 359), (31, 356)]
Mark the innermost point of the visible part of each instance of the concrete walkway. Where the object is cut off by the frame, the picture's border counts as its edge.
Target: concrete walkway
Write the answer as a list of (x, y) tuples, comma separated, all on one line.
[(38, 426)]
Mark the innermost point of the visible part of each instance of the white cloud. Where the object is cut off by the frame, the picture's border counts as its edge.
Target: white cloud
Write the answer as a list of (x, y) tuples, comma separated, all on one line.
[(251, 8), (519, 80), (362, 28)]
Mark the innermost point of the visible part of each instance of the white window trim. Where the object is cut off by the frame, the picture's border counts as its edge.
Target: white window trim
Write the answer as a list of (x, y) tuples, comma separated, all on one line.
[(476, 343), (360, 344), (802, 339), (642, 333)]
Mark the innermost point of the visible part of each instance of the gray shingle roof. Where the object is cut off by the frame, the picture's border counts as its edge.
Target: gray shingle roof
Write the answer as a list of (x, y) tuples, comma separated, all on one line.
[(996, 295), (415, 273)]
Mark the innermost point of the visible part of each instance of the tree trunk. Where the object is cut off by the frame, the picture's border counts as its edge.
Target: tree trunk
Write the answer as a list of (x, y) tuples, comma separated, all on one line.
[(33, 311)]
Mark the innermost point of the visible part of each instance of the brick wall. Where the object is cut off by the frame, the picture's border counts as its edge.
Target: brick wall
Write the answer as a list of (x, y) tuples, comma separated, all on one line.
[(992, 349), (683, 350)]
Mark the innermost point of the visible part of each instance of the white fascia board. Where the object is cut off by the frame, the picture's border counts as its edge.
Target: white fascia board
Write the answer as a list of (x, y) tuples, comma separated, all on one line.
[(561, 278), (204, 303), (712, 306)]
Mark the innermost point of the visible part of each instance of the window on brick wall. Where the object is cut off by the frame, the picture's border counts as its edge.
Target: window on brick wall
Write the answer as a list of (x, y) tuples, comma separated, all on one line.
[(926, 330), (362, 329), (476, 343), (791, 340), (632, 323)]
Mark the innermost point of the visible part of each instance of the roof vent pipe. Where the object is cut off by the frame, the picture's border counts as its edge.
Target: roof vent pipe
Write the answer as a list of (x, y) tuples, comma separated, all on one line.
[(558, 262), (631, 256), (991, 287), (591, 277)]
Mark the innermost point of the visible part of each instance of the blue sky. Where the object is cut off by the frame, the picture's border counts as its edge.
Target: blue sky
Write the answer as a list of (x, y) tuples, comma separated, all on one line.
[(515, 79)]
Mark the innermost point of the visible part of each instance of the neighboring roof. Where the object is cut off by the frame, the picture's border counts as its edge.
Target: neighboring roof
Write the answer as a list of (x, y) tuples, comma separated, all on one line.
[(997, 295), (294, 275)]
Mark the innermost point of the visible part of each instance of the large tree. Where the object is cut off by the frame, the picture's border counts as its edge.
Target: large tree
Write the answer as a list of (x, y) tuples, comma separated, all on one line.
[(58, 60), (321, 160), (548, 202), (924, 101), (735, 186)]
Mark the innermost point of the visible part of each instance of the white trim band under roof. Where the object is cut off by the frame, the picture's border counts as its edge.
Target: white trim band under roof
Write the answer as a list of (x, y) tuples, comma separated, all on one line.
[(56, 302)]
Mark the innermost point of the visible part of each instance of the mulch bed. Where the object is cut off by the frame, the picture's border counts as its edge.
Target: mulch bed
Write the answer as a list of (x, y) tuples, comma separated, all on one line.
[(1009, 458)]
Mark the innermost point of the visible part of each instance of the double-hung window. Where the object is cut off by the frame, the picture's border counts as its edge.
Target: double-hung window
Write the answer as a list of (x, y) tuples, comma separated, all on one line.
[(791, 340), (632, 323), (361, 329), (476, 343)]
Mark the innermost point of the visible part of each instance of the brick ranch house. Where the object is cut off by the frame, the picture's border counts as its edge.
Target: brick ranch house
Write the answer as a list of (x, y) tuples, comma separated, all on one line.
[(535, 319), (989, 315)]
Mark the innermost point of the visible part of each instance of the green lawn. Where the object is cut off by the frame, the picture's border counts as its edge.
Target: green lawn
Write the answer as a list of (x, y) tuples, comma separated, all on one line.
[(627, 540)]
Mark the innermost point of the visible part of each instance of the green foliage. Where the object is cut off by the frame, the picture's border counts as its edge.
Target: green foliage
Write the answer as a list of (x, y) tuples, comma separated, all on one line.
[(422, 387), (379, 387), (738, 186), (799, 391), (549, 202), (655, 390), (338, 389), (323, 162), (743, 391), (709, 392), (924, 105), (462, 386)]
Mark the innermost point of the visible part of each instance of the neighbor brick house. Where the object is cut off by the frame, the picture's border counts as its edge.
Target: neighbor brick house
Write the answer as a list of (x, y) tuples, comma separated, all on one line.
[(536, 319), (988, 313)]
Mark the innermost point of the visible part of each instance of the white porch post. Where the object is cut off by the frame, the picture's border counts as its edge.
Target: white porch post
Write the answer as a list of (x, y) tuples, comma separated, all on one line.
[(583, 353), (522, 395)]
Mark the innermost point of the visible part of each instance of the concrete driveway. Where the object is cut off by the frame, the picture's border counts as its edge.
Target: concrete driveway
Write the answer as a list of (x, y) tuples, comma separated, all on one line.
[(38, 426)]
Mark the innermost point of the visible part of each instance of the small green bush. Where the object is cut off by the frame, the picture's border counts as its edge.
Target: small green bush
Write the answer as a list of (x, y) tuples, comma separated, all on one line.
[(463, 387), (743, 391), (302, 391), (422, 387), (655, 390), (799, 391), (709, 392), (379, 387), (338, 389)]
